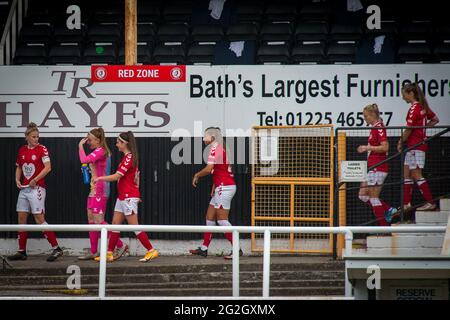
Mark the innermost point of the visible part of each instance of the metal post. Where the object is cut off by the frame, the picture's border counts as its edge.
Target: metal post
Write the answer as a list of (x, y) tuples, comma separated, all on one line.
[(236, 263), (402, 179), (348, 243), (348, 284), (266, 264), (102, 276)]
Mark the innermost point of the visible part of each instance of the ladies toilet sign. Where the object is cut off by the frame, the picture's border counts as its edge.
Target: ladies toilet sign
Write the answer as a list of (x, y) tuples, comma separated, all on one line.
[(353, 171)]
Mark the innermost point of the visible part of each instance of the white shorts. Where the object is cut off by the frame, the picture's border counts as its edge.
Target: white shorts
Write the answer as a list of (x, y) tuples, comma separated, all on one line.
[(31, 200), (376, 177), (414, 159), (223, 196), (127, 206)]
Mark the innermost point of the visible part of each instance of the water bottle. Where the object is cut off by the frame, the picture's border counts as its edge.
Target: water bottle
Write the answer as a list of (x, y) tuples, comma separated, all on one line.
[(86, 173)]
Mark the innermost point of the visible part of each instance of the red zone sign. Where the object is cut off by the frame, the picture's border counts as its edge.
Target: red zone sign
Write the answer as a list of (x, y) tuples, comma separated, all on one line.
[(120, 73)]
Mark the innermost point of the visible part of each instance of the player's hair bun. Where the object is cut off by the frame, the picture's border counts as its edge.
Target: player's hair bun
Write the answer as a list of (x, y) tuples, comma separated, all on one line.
[(31, 127)]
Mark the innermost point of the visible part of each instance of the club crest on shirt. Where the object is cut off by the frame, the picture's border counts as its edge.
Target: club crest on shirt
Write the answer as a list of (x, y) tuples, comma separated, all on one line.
[(33, 157)]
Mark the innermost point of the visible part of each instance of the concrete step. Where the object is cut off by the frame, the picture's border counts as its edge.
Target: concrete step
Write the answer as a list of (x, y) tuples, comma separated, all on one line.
[(173, 277), (444, 204), (409, 252), (287, 291), (418, 241), (432, 217), (183, 285)]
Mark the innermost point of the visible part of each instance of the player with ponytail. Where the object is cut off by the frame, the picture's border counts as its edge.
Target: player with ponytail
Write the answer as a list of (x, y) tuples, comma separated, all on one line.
[(419, 114), (99, 161), (127, 177)]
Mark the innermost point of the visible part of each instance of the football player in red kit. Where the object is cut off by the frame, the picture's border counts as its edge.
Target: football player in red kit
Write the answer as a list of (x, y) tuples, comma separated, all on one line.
[(223, 189), (127, 177), (32, 165), (419, 114), (377, 149)]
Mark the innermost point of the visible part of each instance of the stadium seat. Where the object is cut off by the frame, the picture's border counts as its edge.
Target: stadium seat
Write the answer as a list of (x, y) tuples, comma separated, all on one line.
[(100, 54), (414, 52), (443, 32), (169, 54), (345, 32), (62, 34), (146, 32), (249, 12), (311, 31), (143, 54), (173, 32), (65, 54), (269, 54), (315, 12), (342, 53), (421, 30), (178, 12), (148, 12), (104, 33), (276, 32), (277, 12), (207, 33), (199, 53), (30, 54), (308, 53), (40, 33), (442, 53), (388, 28), (243, 32)]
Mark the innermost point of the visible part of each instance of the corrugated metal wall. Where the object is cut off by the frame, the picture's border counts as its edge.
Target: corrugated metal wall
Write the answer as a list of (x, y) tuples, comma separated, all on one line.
[(167, 194)]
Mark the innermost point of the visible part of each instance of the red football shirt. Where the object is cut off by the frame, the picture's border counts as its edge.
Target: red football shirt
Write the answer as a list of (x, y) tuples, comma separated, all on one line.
[(31, 161), (127, 186), (377, 135), (222, 174), (417, 116)]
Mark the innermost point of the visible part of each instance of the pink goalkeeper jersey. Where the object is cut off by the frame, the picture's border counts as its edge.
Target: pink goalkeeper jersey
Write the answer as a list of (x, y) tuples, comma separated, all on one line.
[(100, 165)]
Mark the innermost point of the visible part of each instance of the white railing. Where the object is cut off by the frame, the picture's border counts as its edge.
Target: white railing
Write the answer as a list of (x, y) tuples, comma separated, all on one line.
[(236, 230), (11, 31)]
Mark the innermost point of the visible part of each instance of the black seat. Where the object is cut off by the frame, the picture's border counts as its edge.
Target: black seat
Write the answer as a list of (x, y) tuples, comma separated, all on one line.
[(346, 32), (308, 53), (104, 33), (100, 54), (414, 52), (276, 32), (148, 12), (207, 33), (178, 12), (281, 12), (30, 54), (33, 33), (249, 12), (143, 54), (199, 53), (243, 32), (62, 34), (169, 54), (146, 32), (65, 54), (416, 30), (441, 52), (443, 32), (311, 31), (173, 33), (273, 54), (342, 52), (315, 12)]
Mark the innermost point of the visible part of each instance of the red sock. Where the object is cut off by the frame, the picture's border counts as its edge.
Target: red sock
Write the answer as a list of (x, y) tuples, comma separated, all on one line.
[(113, 240), (51, 238), (425, 190), (22, 237), (143, 238), (119, 242), (207, 237), (407, 191), (229, 236), (378, 210)]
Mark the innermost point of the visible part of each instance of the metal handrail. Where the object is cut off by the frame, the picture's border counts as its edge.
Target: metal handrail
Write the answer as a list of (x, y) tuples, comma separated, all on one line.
[(11, 30), (266, 230)]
